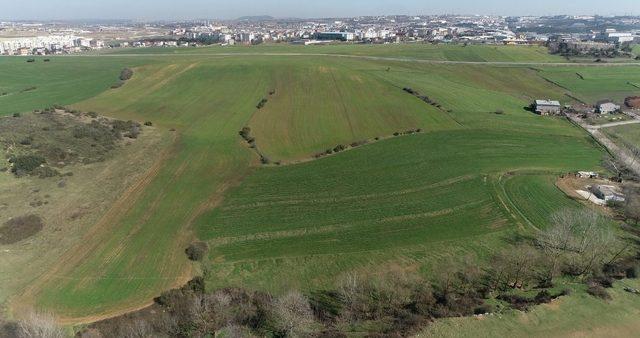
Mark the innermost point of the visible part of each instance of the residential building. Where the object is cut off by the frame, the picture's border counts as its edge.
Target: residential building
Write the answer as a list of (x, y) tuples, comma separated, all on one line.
[(608, 193), (607, 107), (547, 107)]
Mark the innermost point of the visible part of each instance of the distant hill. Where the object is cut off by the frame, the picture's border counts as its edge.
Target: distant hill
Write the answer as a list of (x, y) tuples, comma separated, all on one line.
[(256, 18)]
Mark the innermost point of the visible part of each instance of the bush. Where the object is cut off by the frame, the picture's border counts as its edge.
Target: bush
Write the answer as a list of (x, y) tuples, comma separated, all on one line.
[(197, 251), (126, 74), (148, 123), (92, 114), (261, 104), (598, 291), (117, 85), (26, 164), (16, 114), (45, 172)]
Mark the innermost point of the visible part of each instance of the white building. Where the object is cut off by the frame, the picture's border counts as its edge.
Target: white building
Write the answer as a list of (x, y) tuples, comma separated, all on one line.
[(547, 107), (607, 107), (608, 193)]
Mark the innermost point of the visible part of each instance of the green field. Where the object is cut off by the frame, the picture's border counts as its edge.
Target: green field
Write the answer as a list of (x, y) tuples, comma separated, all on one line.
[(534, 197), (597, 83), (61, 81), (627, 135), (393, 202), (443, 52), (405, 201)]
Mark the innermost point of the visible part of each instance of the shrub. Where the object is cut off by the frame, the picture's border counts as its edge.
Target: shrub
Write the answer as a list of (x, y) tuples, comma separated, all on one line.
[(26, 141), (339, 148), (126, 74), (26, 164), (117, 85), (45, 172), (196, 251), (16, 114), (261, 104), (598, 291), (92, 114), (148, 123)]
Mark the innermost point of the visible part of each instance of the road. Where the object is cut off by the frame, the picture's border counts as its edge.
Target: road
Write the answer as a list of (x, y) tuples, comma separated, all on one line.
[(622, 155), (615, 124)]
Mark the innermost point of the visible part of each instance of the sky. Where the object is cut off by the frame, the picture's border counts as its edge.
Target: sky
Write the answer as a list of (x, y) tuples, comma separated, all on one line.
[(230, 9)]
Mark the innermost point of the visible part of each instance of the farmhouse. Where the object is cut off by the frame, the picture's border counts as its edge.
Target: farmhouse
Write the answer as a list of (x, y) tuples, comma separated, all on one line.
[(546, 107), (608, 193), (607, 107)]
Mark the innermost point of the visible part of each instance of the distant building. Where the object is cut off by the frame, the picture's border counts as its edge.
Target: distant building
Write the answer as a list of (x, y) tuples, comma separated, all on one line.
[(546, 107), (607, 107), (608, 193), (342, 36), (611, 35)]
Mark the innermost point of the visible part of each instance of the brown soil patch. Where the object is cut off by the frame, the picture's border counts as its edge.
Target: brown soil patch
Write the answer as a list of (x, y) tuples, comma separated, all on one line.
[(20, 228), (632, 102), (569, 184)]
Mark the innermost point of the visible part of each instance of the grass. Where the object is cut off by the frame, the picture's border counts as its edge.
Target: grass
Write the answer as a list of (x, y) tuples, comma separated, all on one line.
[(577, 315), (61, 81), (318, 105), (391, 200), (535, 197), (597, 83), (406, 201), (443, 52), (625, 135)]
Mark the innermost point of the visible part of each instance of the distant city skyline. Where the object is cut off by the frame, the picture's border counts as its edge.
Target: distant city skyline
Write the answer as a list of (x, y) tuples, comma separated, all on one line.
[(214, 9)]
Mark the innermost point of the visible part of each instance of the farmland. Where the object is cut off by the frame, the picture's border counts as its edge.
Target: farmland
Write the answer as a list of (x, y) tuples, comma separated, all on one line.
[(26, 86), (626, 136), (407, 51), (596, 83), (403, 201)]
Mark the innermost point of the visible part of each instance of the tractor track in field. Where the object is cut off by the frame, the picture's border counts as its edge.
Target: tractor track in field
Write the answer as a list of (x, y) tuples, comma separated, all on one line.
[(379, 58)]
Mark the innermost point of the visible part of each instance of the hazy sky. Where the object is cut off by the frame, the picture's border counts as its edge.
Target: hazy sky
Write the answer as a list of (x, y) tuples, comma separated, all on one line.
[(227, 9)]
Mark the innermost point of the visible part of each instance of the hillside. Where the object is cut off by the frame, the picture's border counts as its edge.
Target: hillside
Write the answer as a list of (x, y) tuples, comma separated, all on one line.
[(456, 188)]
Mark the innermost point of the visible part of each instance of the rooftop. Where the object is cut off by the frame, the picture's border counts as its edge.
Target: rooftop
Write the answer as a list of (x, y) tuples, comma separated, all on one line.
[(547, 103)]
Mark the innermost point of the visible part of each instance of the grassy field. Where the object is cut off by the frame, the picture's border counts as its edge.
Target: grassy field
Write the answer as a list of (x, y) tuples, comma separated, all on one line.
[(28, 86), (628, 135), (577, 315), (405, 201), (443, 52), (591, 84), (394, 202), (534, 197)]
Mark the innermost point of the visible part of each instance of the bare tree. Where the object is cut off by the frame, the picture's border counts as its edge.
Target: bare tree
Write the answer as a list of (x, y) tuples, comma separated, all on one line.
[(632, 203), (293, 314), (584, 239), (39, 325)]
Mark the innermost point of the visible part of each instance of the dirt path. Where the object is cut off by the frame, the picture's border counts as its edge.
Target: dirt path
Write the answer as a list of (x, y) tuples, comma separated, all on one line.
[(615, 124), (632, 162)]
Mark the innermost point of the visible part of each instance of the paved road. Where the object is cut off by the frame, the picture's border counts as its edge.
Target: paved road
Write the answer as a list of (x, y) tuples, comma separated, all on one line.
[(382, 58)]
